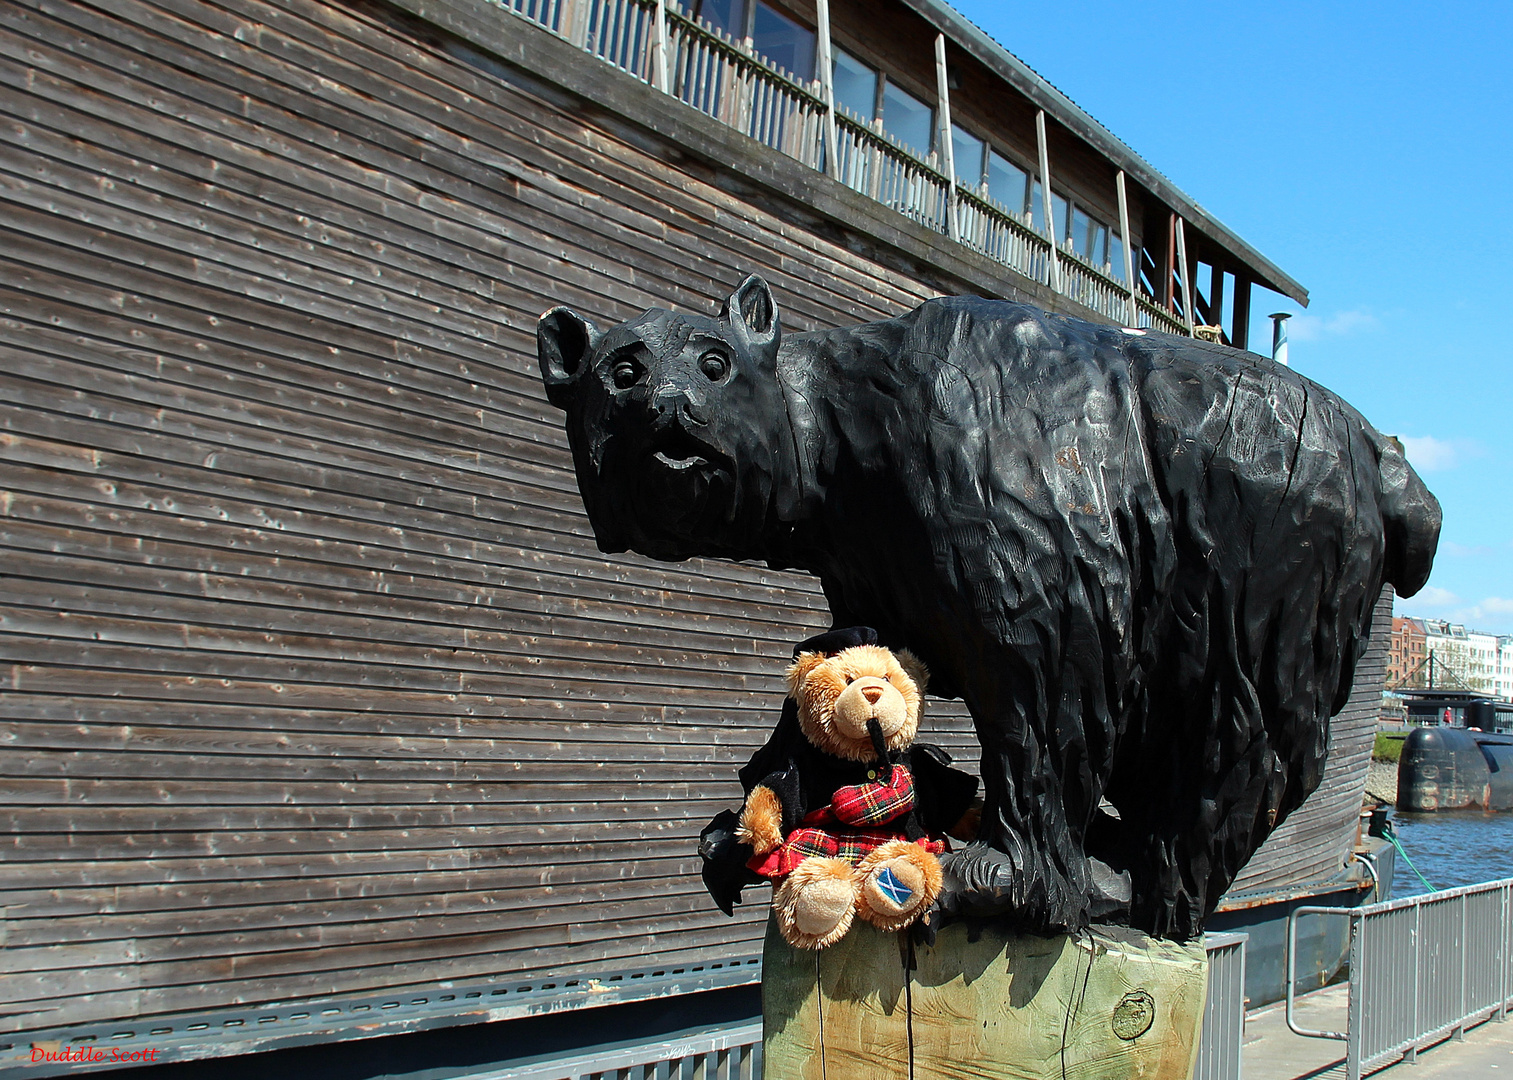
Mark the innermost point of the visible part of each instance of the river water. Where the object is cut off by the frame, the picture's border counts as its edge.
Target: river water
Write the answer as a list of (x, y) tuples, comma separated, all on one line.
[(1452, 847)]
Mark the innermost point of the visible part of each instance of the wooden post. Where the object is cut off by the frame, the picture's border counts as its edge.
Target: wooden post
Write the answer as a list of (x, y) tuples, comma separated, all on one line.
[(1167, 286), (1216, 296), (1129, 267), (1105, 1004), (947, 148), (827, 88), (1045, 201), (659, 49), (1240, 335), (1187, 284)]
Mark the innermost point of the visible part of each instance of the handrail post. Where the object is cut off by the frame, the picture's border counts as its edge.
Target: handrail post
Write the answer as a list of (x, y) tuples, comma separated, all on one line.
[(1187, 284), (1292, 967), (1045, 201), (1412, 1052), (659, 49), (1356, 1006), (1503, 955), (947, 148), (827, 88), (1129, 268)]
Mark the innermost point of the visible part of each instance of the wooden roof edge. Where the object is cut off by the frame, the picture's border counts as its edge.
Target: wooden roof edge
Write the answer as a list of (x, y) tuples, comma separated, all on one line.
[(977, 43)]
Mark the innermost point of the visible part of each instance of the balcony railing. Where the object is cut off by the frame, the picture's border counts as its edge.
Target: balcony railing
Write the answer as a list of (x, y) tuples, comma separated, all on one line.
[(723, 78)]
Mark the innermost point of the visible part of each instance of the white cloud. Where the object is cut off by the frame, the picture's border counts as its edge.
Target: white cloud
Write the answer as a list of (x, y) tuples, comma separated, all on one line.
[(1429, 454), (1306, 327), (1434, 596)]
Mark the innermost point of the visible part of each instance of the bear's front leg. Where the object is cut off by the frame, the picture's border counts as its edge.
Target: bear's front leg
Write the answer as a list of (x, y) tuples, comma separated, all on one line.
[(896, 883), (815, 904)]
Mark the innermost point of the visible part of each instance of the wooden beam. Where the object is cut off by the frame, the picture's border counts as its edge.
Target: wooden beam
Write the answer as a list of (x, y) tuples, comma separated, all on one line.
[(947, 151), (1045, 201), (1240, 334), (1187, 281), (659, 49), (1130, 270), (1169, 276), (827, 87)]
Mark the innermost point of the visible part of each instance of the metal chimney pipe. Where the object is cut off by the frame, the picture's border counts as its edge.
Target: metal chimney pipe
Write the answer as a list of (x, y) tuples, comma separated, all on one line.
[(1279, 336)]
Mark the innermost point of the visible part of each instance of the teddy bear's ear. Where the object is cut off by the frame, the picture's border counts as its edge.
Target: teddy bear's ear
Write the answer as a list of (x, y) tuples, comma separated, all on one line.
[(913, 667), (799, 670)]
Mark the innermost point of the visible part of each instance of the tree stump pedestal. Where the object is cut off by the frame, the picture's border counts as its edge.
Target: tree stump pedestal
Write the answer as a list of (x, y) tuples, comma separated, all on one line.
[(1107, 1004)]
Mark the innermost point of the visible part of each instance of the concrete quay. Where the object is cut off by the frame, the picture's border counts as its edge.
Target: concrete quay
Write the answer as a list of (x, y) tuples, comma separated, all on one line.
[(1273, 1052)]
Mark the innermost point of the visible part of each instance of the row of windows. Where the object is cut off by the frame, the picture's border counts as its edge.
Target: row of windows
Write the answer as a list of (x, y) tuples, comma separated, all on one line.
[(874, 99)]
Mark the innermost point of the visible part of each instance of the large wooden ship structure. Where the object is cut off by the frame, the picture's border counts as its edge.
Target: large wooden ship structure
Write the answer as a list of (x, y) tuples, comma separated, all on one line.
[(322, 716)]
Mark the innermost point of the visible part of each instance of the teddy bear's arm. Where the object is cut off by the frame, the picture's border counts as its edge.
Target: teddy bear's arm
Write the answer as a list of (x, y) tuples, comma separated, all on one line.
[(761, 823)]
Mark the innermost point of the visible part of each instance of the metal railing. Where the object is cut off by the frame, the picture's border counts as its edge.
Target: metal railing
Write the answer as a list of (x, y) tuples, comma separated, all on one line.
[(1220, 1045), (1421, 968), (731, 1054), (723, 78)]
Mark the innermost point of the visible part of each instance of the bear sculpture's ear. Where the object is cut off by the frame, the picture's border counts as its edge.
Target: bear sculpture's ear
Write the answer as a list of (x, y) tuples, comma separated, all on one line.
[(565, 342), (753, 314)]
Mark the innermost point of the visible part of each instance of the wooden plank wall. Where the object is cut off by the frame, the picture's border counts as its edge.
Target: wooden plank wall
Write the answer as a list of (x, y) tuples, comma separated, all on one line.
[(1314, 843), (314, 679), (314, 682)]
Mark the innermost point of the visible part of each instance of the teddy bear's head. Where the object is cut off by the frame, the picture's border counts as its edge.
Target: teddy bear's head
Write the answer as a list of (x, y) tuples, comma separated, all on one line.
[(839, 694)]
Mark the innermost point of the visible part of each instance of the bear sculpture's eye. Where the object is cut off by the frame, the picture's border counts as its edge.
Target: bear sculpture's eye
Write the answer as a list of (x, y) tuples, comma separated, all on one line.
[(714, 366), (626, 373)]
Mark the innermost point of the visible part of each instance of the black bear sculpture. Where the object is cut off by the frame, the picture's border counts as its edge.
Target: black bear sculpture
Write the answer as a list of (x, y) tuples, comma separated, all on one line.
[(1146, 563)]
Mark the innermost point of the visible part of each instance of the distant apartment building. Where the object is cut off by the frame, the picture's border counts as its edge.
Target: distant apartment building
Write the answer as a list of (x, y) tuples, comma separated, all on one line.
[(1445, 655), (1405, 654)]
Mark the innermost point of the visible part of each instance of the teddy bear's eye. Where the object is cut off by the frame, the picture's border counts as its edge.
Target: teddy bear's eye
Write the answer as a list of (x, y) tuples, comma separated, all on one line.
[(849, 680)]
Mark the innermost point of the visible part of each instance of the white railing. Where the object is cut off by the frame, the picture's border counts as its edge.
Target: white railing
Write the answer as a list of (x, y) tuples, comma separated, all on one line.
[(723, 78), (1092, 288), (1154, 317), (986, 227), (879, 167), (1421, 968)]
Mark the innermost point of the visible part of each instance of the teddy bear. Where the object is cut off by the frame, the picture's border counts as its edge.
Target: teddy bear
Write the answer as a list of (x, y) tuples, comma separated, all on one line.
[(845, 814)]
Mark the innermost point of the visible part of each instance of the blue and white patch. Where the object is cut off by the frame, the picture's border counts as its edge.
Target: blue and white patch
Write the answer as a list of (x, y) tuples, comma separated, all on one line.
[(894, 889)]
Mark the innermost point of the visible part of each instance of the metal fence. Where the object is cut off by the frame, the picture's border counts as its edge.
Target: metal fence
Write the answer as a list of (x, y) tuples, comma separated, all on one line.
[(732, 1054), (1421, 968), (724, 78), (1220, 1044)]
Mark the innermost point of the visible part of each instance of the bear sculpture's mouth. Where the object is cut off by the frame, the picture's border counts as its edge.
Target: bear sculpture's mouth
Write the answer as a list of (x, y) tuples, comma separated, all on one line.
[(679, 450)]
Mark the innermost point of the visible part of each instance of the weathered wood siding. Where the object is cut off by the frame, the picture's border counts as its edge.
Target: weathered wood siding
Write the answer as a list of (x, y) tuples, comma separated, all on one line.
[(315, 681), (1314, 844)]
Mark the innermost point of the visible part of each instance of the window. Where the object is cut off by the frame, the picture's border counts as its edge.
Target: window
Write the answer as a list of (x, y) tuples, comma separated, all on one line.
[(855, 86), (787, 44), (726, 15), (773, 34), (908, 120), (1059, 207), (869, 97), (966, 154), (1008, 184)]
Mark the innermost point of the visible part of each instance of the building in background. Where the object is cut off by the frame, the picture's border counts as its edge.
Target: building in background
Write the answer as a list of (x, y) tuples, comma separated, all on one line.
[(1437, 654)]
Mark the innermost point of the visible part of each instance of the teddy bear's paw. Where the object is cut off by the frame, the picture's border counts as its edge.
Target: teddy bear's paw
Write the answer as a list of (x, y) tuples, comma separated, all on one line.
[(815, 903), (896, 883)]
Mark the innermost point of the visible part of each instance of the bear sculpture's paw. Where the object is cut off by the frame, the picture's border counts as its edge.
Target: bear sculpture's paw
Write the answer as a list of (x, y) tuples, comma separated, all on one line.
[(897, 882), (815, 904)]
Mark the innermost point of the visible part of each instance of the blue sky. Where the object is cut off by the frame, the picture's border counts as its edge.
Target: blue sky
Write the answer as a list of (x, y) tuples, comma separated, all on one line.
[(1367, 149)]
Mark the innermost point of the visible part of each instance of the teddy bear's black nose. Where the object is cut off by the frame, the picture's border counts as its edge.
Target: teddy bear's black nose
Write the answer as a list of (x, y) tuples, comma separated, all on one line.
[(873, 694)]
